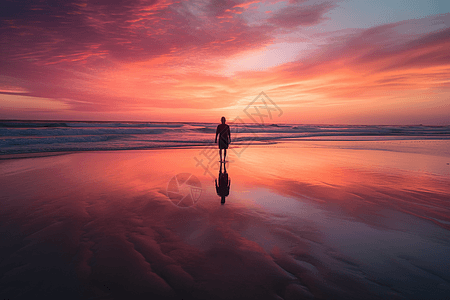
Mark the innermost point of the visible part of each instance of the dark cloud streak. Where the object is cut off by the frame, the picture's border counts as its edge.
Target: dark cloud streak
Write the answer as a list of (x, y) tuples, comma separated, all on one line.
[(50, 32), (290, 17), (385, 45)]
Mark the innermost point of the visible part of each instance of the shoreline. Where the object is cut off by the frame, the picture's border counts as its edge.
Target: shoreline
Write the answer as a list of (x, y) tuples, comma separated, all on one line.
[(280, 143)]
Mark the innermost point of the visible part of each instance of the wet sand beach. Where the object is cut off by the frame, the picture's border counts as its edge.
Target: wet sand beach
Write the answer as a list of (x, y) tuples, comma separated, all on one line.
[(303, 220)]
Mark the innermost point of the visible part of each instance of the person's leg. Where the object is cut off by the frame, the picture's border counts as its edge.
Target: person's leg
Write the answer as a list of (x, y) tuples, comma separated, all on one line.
[(224, 154), (220, 154)]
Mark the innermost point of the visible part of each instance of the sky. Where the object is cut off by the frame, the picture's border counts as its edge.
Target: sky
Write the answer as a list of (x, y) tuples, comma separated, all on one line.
[(320, 62)]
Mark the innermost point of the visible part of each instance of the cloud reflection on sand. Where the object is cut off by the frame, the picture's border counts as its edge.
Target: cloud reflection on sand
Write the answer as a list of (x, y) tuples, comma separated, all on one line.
[(298, 223)]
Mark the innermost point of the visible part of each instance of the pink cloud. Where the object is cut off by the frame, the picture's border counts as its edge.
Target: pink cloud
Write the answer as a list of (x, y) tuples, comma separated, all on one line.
[(289, 17), (380, 49), (132, 31)]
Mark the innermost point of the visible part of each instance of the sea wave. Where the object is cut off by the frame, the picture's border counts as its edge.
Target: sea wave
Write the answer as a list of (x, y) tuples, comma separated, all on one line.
[(17, 137)]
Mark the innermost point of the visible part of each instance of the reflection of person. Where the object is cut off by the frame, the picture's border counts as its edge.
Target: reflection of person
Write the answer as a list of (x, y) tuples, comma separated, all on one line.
[(223, 130), (223, 189)]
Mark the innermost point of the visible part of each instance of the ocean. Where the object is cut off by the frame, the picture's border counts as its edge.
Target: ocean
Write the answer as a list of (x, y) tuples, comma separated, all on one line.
[(20, 137)]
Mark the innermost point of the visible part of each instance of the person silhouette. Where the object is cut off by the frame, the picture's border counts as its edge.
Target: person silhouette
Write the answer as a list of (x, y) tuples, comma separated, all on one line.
[(223, 189), (223, 130)]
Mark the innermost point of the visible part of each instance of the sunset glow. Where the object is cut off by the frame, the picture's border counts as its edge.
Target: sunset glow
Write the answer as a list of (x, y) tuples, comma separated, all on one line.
[(335, 62)]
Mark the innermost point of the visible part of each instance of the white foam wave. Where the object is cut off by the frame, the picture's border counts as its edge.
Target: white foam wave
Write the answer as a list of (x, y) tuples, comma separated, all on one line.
[(38, 136)]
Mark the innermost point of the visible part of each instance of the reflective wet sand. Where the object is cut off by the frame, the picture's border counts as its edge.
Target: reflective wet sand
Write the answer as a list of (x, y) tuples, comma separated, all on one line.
[(303, 219)]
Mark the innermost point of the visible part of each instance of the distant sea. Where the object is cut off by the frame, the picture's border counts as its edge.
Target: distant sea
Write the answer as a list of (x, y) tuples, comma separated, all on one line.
[(19, 137)]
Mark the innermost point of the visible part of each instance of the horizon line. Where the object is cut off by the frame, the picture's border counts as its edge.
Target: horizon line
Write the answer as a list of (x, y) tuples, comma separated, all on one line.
[(190, 122)]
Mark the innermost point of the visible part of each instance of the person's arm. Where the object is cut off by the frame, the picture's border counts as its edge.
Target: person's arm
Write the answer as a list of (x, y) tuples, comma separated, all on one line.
[(217, 132), (229, 134)]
